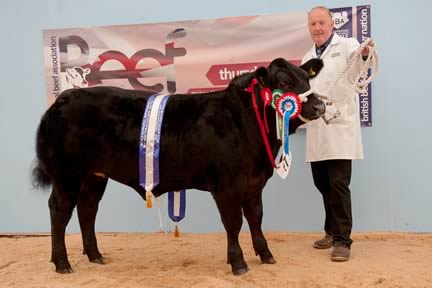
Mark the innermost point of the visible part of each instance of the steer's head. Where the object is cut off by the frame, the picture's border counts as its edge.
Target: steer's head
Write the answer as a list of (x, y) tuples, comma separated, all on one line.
[(284, 78)]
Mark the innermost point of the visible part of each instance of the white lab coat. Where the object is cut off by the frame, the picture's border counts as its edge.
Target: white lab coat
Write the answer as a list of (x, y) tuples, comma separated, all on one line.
[(341, 139)]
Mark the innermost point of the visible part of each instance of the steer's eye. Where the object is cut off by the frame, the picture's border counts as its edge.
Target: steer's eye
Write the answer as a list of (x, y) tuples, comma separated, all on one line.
[(283, 83)]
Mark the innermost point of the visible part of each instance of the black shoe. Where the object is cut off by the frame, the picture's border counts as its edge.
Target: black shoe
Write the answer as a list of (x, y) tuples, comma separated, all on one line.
[(324, 243), (340, 253)]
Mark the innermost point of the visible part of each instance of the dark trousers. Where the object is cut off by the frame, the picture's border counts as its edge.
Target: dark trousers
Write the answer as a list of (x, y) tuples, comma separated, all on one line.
[(332, 178)]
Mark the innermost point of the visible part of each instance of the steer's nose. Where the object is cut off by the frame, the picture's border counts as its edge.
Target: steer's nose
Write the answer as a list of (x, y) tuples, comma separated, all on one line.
[(319, 108)]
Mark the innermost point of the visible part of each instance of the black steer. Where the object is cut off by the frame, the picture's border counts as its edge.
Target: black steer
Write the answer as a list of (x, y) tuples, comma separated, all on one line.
[(209, 141)]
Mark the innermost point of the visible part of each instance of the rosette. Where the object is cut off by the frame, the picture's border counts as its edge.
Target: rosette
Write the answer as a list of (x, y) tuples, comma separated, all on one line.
[(289, 102), (276, 94)]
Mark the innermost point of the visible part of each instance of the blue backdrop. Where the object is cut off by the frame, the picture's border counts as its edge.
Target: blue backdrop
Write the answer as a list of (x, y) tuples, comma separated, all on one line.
[(390, 188)]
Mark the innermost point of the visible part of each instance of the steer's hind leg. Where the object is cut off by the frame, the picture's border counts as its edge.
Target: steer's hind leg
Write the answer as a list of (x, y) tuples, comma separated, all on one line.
[(253, 211), (229, 205), (92, 190), (61, 203)]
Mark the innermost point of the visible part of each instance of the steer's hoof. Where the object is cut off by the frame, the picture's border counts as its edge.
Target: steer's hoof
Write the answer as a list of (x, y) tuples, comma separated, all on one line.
[(99, 260), (240, 271), (64, 270), (270, 260)]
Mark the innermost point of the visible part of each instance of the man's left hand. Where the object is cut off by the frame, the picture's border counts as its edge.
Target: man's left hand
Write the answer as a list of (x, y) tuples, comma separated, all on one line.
[(365, 51)]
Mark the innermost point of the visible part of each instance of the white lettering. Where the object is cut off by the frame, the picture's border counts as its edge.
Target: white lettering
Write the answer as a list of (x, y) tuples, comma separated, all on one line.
[(364, 106), (225, 74), (364, 22)]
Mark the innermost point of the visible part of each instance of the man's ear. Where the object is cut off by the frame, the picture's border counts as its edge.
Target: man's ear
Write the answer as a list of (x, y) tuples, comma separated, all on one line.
[(313, 67), (262, 76)]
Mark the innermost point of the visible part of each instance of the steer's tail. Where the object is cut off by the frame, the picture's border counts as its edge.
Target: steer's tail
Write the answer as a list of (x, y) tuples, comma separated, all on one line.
[(39, 178)]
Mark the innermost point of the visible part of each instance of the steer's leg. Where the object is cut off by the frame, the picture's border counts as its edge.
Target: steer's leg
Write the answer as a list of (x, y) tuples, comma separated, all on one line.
[(92, 190), (253, 211), (61, 203), (229, 205)]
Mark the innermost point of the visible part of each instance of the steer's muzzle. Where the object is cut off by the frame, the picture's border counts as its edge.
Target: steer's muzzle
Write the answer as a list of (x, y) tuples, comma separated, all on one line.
[(318, 106), (320, 109)]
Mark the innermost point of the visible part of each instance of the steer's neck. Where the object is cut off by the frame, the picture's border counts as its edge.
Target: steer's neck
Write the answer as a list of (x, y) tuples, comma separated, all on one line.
[(294, 124)]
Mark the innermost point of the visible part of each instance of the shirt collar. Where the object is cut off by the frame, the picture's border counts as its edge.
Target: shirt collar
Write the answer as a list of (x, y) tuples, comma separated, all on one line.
[(320, 50)]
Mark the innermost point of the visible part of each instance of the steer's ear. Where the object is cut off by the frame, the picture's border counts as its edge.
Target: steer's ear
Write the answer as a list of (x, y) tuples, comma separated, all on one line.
[(313, 67), (262, 76)]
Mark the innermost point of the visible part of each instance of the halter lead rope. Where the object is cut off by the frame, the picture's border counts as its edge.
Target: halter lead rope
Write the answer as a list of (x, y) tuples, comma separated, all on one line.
[(361, 81)]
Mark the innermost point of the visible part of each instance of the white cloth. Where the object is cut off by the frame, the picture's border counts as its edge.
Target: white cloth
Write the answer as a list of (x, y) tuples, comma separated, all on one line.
[(341, 138)]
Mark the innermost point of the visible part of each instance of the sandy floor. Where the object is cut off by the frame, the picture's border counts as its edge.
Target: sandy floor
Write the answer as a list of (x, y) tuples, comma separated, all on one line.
[(381, 260)]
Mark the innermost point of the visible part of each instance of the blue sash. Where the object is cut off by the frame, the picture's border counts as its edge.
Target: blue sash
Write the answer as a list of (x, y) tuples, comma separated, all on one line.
[(150, 141), (149, 149)]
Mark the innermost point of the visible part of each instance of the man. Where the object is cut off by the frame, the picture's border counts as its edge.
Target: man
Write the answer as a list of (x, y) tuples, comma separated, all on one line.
[(331, 147)]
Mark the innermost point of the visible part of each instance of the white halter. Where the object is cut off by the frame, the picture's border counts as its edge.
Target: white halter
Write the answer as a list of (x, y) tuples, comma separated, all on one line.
[(303, 98)]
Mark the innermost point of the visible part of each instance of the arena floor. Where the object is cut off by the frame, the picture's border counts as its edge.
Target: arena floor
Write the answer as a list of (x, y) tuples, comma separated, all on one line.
[(381, 260)]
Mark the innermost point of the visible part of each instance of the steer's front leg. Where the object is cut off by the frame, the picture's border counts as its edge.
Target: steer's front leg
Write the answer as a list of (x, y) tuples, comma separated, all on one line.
[(253, 211), (229, 205)]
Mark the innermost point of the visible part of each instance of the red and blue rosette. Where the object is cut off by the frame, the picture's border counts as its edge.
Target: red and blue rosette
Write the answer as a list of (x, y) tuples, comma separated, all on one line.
[(289, 102)]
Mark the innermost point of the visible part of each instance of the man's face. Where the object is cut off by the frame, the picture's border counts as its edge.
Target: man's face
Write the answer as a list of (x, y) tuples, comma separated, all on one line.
[(320, 26)]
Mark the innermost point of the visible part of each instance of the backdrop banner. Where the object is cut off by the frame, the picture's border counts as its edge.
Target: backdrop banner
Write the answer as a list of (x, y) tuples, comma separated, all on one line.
[(186, 56)]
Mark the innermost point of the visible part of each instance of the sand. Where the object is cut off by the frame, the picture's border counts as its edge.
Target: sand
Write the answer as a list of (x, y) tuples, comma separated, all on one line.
[(381, 260)]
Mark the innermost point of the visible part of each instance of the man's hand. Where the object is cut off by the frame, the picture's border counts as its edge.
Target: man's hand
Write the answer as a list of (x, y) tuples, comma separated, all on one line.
[(365, 51)]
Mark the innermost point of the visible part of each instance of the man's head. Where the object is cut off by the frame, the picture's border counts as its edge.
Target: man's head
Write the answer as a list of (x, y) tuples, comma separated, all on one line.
[(320, 24)]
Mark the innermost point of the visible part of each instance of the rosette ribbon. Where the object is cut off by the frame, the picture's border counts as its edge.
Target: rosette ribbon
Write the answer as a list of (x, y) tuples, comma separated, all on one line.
[(288, 106)]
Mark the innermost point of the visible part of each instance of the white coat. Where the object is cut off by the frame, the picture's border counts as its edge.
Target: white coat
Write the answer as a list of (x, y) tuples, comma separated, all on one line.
[(341, 138)]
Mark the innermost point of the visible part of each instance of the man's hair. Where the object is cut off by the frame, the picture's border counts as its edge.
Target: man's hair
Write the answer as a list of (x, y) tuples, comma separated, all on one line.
[(321, 8)]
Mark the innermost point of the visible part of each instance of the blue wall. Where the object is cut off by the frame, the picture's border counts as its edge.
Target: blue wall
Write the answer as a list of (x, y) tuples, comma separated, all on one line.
[(390, 188)]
